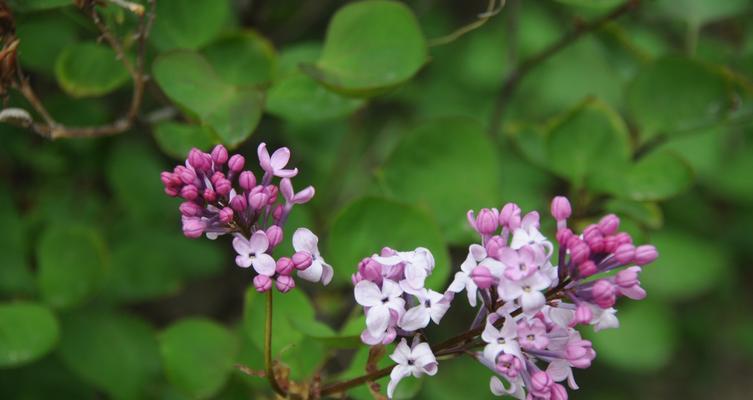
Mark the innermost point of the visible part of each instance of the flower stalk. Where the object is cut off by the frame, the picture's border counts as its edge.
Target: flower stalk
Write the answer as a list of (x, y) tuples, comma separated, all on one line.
[(268, 367)]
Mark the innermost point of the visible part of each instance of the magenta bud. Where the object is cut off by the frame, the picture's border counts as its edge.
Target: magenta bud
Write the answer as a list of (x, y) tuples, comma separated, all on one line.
[(564, 235), (579, 251), (541, 382), (223, 187), (625, 253), (189, 192), (186, 175), (277, 212), (171, 191), (387, 252), (627, 277), (190, 209), (216, 177), (609, 224), (583, 315), (560, 208), (271, 191), (247, 180), (302, 260), (558, 392), (510, 216), (219, 154), (610, 244), (370, 270), (199, 160), (166, 178), (274, 235), (238, 203), (193, 227), (487, 221), (587, 268), (623, 238), (482, 277), (494, 246), (645, 254), (262, 283), (258, 200), (226, 215), (210, 195), (236, 163), (285, 283), (284, 266), (604, 294)]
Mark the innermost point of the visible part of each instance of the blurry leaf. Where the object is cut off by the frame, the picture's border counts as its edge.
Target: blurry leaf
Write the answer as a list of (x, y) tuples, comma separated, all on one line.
[(699, 12), (43, 37), (189, 80), (78, 112), (45, 379), (133, 174), (358, 367), (27, 332), (644, 342), (448, 165), (674, 94), (291, 57), (596, 4), (89, 69), (299, 98), (198, 356), (151, 264), (701, 150), (366, 225), (657, 176), (15, 276), (371, 46), (587, 143), (732, 177), (177, 139), (325, 335), (687, 266), (36, 5), (114, 352), (444, 385), (188, 24), (71, 262), (648, 214), (243, 58)]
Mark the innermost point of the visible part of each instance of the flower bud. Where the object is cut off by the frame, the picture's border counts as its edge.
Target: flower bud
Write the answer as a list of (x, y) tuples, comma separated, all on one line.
[(302, 260), (238, 203), (558, 392), (579, 251), (223, 187), (579, 353), (482, 277), (645, 254), (284, 266), (262, 283), (171, 191), (187, 176), (560, 208), (190, 209), (624, 253), (541, 383), (609, 224), (274, 234), (487, 221), (236, 163), (166, 178), (193, 227), (226, 215), (494, 246), (219, 154), (199, 160), (564, 235), (587, 268), (285, 283), (210, 195), (271, 191), (189, 192), (510, 216), (623, 238), (258, 200), (604, 294), (583, 315), (370, 270), (594, 238), (247, 180), (277, 212)]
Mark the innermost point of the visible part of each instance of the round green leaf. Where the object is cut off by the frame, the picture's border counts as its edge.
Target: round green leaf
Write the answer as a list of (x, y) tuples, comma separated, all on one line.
[(243, 58), (177, 139), (15, 274), (89, 69), (27, 332), (699, 12), (368, 224), (644, 341), (687, 266), (198, 356), (299, 98), (657, 176), (732, 176), (42, 39), (370, 46), (674, 94), (71, 261), (116, 353), (449, 166), (188, 24), (191, 82)]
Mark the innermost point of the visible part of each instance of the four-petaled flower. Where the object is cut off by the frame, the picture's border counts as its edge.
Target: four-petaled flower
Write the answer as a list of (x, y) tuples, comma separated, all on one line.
[(415, 360), (275, 165), (380, 301), (305, 241), (431, 306), (252, 252), (418, 265)]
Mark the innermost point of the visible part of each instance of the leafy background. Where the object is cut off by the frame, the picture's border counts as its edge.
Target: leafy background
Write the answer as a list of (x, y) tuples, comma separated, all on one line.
[(648, 117)]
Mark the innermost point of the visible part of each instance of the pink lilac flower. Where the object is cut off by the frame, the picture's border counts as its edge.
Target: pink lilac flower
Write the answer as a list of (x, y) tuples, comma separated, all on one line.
[(431, 306), (220, 198), (379, 301), (416, 360)]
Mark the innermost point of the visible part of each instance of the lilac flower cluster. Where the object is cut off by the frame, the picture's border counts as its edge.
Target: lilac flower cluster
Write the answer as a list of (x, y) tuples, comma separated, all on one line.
[(220, 197), (531, 344)]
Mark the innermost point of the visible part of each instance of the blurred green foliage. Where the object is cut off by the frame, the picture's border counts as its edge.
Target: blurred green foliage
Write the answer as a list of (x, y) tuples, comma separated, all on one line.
[(649, 117)]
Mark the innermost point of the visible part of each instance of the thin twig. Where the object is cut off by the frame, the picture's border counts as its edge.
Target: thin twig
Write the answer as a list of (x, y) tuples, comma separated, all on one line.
[(135, 8), (517, 74), (491, 10), (268, 367)]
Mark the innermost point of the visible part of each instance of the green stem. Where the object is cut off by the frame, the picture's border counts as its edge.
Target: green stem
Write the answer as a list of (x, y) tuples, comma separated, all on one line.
[(268, 348)]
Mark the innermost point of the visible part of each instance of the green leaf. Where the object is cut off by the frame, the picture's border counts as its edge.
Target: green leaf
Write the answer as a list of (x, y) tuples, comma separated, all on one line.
[(71, 262), (242, 58), (89, 70), (189, 24), (37, 5), (176, 139), (448, 166), (701, 150), (587, 143), (444, 386), (325, 335), (644, 342), (43, 37), (700, 12), (190, 81), (674, 94), (687, 266), (28, 331), (299, 98), (366, 225), (370, 46), (15, 275), (198, 356), (657, 176), (731, 177), (114, 352), (647, 213), (45, 379)]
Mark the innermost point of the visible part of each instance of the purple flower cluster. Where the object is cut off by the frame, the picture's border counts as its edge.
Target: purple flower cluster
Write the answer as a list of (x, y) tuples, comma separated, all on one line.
[(531, 343), (220, 197)]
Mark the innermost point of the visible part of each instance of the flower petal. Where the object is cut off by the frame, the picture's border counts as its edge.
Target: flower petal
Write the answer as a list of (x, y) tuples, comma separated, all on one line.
[(264, 264), (313, 273), (240, 244), (397, 374), (280, 158), (258, 242), (367, 294), (415, 318), (377, 320), (305, 240)]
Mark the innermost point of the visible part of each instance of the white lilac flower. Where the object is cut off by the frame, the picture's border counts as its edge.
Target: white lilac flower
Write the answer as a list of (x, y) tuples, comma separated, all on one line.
[(416, 360), (432, 306), (526, 291), (379, 302), (418, 265), (500, 340), (305, 241), (252, 252)]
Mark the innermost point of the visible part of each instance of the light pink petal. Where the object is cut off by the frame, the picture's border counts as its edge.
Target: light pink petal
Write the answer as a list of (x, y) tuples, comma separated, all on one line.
[(305, 240), (241, 246), (532, 302), (313, 273), (258, 242), (286, 188), (280, 158), (377, 319), (327, 273), (401, 353), (286, 173), (264, 159), (304, 195), (459, 283), (397, 374), (558, 370), (415, 275), (391, 288), (264, 264), (415, 318), (367, 294), (243, 261)]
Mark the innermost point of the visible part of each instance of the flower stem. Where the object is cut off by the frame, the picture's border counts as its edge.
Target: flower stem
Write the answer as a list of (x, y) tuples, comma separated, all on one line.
[(268, 348)]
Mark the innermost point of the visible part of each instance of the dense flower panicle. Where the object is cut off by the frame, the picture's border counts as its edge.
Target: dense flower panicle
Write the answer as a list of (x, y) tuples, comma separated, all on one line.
[(530, 341), (220, 198)]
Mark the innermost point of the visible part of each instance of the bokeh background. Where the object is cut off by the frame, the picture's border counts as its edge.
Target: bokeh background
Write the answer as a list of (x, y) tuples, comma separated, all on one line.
[(649, 116)]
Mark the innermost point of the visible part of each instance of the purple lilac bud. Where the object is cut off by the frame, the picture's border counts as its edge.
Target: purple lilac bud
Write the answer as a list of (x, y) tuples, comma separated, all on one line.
[(187, 176), (587, 268), (603, 293), (274, 234), (223, 187), (302, 260), (509, 365), (210, 195), (193, 227), (258, 200), (645, 254), (236, 163), (509, 217), (580, 353), (541, 384), (247, 180), (625, 253), (226, 215), (494, 246), (583, 314), (487, 221), (219, 154), (285, 283), (579, 251), (564, 235), (262, 283), (238, 203), (189, 192), (609, 224), (199, 160), (482, 277), (558, 392), (284, 266), (190, 209), (560, 208)]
